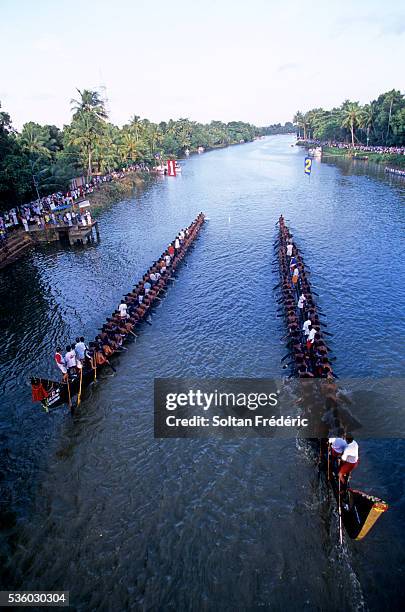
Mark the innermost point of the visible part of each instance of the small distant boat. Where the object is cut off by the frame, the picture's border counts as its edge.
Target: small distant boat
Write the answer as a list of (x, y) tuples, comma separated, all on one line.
[(361, 157), (187, 152), (200, 150), (315, 152)]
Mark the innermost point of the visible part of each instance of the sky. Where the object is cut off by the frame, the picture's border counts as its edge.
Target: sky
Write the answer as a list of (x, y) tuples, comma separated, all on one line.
[(253, 60)]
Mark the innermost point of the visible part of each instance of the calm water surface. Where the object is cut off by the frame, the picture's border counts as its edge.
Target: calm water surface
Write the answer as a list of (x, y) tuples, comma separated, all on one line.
[(96, 506)]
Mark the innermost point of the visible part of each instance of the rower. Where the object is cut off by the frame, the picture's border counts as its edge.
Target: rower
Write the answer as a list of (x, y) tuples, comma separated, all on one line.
[(311, 338), (306, 326), (349, 459), (70, 359), (301, 302), (289, 250), (80, 349), (123, 307), (337, 447), (60, 362)]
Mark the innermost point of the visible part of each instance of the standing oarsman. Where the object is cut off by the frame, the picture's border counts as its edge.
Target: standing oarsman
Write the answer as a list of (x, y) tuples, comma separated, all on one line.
[(70, 359), (60, 362), (349, 459), (80, 350)]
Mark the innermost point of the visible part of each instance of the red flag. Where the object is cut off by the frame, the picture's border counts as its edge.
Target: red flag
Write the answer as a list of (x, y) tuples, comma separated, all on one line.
[(171, 167)]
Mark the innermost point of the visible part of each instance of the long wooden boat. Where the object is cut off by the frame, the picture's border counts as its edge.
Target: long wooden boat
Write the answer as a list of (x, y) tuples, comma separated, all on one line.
[(115, 332), (358, 511)]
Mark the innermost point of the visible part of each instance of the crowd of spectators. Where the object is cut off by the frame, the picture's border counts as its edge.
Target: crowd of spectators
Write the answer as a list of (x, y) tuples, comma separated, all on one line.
[(57, 208)]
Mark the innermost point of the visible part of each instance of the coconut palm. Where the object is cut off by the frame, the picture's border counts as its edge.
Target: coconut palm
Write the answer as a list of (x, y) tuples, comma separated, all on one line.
[(135, 126), (368, 115), (90, 101), (351, 117), (298, 120), (34, 140)]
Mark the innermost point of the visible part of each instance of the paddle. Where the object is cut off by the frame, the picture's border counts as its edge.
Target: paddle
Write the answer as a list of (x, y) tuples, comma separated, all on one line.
[(340, 514)]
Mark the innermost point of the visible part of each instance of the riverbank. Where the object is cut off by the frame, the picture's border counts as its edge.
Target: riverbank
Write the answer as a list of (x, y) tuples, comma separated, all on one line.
[(108, 193), (378, 158), (393, 159)]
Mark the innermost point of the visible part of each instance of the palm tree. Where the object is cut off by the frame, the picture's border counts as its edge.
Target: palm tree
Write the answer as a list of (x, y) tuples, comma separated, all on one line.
[(391, 97), (129, 146), (83, 133), (88, 123), (367, 118), (89, 102), (135, 126), (298, 120), (33, 140), (351, 117)]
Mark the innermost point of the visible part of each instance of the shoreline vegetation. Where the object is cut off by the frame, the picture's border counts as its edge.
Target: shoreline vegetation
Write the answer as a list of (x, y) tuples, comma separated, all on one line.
[(381, 123), (43, 159)]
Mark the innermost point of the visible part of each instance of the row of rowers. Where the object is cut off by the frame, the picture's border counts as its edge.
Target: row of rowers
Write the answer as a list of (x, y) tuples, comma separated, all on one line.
[(309, 351), (132, 310)]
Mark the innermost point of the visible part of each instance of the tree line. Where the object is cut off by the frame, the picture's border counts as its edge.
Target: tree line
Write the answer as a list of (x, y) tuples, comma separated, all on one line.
[(379, 123), (42, 159)]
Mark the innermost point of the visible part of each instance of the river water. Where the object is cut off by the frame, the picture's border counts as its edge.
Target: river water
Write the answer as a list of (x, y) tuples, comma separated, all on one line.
[(96, 505)]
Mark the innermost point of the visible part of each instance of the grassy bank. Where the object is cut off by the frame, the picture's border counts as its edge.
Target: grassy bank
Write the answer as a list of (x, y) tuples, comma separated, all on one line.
[(109, 193)]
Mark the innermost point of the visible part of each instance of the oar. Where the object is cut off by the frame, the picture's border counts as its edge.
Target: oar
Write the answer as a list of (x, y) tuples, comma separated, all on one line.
[(328, 333), (340, 515), (284, 358), (79, 397)]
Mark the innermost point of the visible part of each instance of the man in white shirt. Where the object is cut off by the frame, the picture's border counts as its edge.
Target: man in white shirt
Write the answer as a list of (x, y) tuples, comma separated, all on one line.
[(80, 351), (70, 358), (306, 326), (123, 307), (349, 459), (289, 250), (311, 335), (301, 301)]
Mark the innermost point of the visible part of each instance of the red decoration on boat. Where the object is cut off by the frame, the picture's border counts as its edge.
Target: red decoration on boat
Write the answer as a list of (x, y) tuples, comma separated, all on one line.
[(171, 167)]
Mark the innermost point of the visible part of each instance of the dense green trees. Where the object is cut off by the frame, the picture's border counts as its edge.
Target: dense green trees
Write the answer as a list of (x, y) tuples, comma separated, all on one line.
[(380, 123), (42, 159)]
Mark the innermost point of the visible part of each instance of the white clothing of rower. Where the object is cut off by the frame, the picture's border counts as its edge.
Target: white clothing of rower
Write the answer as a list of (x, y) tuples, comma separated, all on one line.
[(289, 250), (168, 260), (123, 307), (80, 350), (351, 452), (338, 445), (70, 359), (311, 335), (177, 244), (301, 301), (60, 361), (306, 326)]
